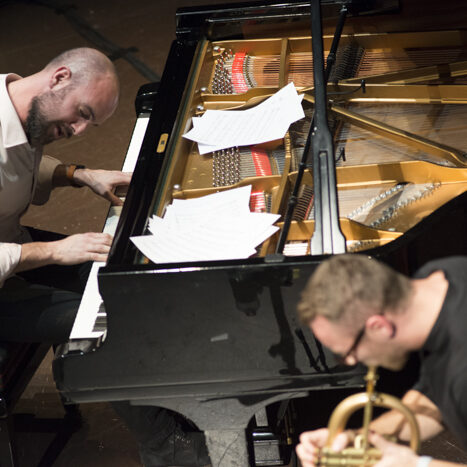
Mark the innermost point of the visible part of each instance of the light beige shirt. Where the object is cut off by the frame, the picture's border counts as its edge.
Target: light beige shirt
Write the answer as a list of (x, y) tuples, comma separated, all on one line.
[(19, 172)]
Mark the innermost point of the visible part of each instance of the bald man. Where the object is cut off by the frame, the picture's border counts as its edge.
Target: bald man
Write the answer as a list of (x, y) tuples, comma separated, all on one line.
[(76, 89)]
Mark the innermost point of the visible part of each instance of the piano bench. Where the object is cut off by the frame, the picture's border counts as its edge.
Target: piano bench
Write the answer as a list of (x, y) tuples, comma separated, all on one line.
[(18, 363)]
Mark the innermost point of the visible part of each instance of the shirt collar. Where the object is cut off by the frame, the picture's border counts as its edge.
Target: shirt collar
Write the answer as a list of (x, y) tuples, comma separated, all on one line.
[(12, 130)]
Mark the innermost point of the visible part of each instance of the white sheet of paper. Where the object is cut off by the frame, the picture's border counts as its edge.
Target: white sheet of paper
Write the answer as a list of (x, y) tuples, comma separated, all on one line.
[(213, 227), (268, 121), (228, 203)]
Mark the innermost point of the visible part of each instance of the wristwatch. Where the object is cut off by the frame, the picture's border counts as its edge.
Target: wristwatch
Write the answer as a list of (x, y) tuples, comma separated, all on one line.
[(70, 171)]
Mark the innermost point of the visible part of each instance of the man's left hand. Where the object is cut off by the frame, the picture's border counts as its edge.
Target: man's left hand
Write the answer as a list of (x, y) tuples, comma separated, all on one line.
[(103, 182)]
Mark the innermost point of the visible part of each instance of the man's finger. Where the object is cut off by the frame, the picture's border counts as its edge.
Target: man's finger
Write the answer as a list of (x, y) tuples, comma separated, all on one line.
[(378, 441), (306, 459), (115, 200), (340, 442)]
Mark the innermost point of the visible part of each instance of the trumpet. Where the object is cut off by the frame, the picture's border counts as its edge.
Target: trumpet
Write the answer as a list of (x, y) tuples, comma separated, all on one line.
[(362, 454)]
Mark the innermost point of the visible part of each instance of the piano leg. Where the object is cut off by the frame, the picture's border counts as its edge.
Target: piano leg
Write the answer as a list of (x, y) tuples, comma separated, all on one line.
[(223, 421), (227, 448)]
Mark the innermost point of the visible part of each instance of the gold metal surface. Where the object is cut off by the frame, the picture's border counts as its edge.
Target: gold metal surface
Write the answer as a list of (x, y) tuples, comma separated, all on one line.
[(162, 143), (361, 454)]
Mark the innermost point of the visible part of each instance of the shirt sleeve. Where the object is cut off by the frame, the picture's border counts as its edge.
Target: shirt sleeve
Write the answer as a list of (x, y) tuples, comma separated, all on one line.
[(44, 180), (10, 254)]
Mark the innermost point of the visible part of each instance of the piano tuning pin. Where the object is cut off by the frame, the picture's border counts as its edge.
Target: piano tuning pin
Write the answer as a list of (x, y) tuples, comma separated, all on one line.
[(177, 187), (199, 108), (216, 48), (204, 89)]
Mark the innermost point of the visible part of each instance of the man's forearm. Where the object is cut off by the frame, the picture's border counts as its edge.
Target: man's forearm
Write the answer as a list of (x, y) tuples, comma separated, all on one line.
[(35, 255), (438, 463), (75, 249), (427, 414)]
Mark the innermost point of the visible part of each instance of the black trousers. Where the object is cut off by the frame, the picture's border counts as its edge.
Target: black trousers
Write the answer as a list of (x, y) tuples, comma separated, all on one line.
[(40, 305)]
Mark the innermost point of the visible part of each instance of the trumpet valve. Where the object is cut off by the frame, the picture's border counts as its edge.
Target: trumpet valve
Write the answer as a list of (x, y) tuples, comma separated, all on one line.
[(352, 456)]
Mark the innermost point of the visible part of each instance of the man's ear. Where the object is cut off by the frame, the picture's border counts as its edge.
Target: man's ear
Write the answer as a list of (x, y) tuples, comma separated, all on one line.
[(379, 327), (60, 78)]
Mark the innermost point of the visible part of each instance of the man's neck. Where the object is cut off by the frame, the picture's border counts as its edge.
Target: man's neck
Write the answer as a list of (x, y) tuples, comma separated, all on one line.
[(423, 309), (22, 91)]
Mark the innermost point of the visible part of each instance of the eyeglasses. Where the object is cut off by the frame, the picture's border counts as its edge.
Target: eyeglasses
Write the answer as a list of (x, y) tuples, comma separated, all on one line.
[(356, 342)]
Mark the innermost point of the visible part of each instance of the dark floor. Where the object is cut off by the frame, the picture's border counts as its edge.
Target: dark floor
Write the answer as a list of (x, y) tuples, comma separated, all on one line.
[(30, 35)]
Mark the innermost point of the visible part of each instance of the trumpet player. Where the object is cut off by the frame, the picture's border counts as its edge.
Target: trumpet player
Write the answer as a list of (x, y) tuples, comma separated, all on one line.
[(366, 312)]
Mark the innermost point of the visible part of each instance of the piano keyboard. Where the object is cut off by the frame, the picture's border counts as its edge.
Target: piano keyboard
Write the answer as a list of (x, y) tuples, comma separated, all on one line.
[(91, 318)]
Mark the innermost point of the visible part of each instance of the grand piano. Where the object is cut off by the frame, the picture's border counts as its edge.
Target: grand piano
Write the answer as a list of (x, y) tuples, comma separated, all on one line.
[(218, 341)]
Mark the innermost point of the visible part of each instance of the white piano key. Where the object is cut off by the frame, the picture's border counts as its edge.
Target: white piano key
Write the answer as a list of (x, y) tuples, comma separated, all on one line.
[(135, 144), (91, 303)]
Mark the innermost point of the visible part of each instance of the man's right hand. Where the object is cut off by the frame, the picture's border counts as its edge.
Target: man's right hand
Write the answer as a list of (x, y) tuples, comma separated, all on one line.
[(312, 441)]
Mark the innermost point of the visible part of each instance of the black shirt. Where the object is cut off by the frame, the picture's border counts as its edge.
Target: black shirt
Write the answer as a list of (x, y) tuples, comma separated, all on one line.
[(443, 374)]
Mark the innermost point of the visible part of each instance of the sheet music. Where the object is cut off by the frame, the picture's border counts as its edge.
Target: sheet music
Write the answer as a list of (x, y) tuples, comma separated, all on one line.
[(268, 121), (92, 301), (218, 226)]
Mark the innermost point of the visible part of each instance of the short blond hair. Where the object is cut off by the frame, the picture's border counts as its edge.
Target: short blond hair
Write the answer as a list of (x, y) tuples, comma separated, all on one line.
[(342, 286)]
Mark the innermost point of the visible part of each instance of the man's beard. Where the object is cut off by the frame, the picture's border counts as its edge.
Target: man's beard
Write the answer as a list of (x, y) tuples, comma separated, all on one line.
[(37, 123)]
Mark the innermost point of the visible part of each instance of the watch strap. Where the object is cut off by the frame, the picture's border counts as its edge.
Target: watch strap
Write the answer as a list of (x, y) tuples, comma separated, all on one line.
[(70, 171)]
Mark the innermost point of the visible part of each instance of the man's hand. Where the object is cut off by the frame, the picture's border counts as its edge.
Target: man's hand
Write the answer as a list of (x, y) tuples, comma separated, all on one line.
[(103, 182), (80, 248), (74, 249), (312, 441), (393, 455)]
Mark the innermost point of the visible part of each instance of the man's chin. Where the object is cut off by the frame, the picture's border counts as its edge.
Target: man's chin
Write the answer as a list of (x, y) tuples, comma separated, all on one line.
[(40, 141), (46, 139), (395, 364)]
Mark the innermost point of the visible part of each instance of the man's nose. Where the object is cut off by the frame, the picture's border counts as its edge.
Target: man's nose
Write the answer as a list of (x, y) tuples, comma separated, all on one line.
[(351, 360), (79, 127)]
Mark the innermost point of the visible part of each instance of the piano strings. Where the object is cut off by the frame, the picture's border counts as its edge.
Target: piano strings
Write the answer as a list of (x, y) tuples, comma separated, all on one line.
[(380, 209), (260, 201), (237, 72), (441, 123), (230, 166), (377, 62), (373, 206)]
